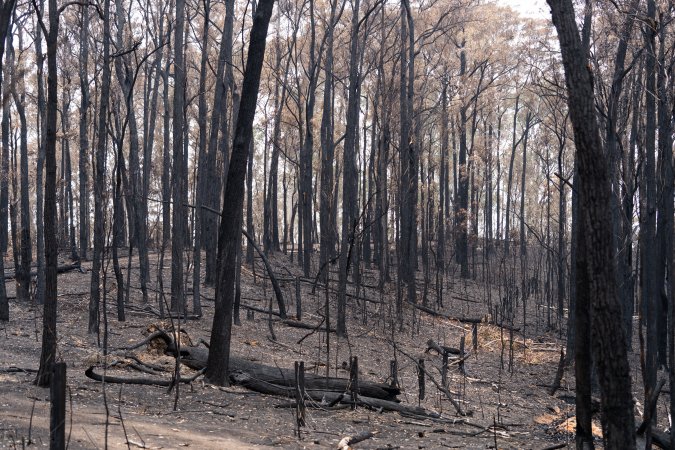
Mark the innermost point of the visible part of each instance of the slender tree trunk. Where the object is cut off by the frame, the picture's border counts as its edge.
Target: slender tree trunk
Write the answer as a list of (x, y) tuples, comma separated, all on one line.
[(49, 355), (6, 10), (305, 182), (83, 161), (40, 192), (523, 240), (650, 293), (99, 170), (23, 270), (349, 174), (178, 196), (202, 169), (327, 245), (219, 115), (229, 238)]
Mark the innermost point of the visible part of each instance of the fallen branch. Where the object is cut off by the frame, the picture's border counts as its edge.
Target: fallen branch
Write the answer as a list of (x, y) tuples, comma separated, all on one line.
[(275, 283), (60, 269), (13, 369), (440, 349), (157, 334), (306, 326), (142, 381), (348, 441)]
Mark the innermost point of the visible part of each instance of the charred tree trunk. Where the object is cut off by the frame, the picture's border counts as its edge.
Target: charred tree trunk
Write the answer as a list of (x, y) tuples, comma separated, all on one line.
[(608, 342), (229, 236), (99, 170)]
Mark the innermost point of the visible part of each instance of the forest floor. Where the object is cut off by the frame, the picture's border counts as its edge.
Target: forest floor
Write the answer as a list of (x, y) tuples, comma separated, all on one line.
[(508, 405)]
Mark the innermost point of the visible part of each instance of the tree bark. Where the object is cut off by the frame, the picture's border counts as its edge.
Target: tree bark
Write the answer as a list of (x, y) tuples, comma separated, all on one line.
[(230, 224), (608, 335), (48, 355), (6, 10), (99, 170)]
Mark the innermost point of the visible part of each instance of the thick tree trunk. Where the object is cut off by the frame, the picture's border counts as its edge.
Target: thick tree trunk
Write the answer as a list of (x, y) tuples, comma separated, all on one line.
[(608, 341)]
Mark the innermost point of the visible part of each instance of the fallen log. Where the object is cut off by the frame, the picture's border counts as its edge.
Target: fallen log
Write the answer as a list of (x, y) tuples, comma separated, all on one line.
[(306, 326), (196, 357), (60, 269), (440, 349), (327, 397), (431, 312)]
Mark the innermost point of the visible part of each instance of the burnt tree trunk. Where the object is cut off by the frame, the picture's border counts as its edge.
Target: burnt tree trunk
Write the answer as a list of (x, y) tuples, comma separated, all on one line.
[(608, 343), (229, 238)]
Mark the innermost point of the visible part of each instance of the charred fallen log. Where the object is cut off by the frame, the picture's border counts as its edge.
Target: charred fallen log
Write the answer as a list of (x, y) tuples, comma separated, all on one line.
[(196, 357), (326, 396)]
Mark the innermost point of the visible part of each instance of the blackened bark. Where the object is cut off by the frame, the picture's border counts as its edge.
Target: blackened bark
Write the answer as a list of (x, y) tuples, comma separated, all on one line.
[(23, 269), (307, 149), (523, 240), (651, 305), (178, 194), (349, 174), (229, 235), (270, 208), (219, 114), (6, 10), (608, 336), (509, 182), (83, 161), (327, 245), (202, 170), (48, 355), (99, 171), (462, 192), (39, 194)]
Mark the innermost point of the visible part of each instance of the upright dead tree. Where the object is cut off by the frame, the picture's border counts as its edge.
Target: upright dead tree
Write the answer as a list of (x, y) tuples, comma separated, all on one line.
[(201, 165), (408, 157), (48, 355), (307, 148), (83, 160), (23, 269), (327, 243), (229, 240), (608, 343), (349, 174), (178, 172), (6, 11), (219, 125), (99, 177)]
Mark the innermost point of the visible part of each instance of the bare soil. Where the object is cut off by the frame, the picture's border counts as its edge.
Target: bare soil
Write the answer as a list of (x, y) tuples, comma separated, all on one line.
[(508, 405)]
